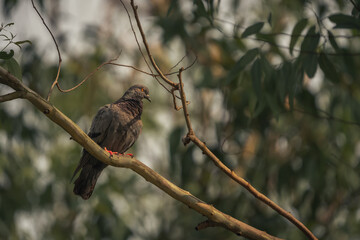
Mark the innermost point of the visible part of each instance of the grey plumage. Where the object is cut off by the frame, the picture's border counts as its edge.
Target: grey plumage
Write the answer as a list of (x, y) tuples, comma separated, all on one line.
[(116, 126)]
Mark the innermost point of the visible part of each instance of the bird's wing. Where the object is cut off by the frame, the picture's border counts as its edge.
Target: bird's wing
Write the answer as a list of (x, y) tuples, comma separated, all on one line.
[(125, 128), (100, 124), (98, 132)]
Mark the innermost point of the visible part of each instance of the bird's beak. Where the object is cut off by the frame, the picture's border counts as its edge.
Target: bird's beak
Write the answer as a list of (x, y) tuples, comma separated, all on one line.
[(148, 98)]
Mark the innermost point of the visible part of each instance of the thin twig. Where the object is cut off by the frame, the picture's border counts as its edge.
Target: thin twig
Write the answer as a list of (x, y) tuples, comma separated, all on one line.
[(134, 68), (6, 46), (57, 48), (152, 74), (182, 59), (136, 39), (55, 82), (174, 99), (163, 77), (186, 68), (328, 116), (184, 105), (88, 76), (206, 224), (12, 96), (140, 50)]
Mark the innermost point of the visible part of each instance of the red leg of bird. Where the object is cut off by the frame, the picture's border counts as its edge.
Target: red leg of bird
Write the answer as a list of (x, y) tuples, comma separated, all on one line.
[(110, 152), (130, 155)]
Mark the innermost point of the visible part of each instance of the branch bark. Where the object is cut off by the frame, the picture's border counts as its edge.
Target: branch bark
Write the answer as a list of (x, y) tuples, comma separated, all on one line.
[(214, 215), (11, 96)]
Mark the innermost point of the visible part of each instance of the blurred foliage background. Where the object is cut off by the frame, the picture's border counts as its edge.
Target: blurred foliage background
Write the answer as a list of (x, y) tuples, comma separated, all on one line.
[(274, 93)]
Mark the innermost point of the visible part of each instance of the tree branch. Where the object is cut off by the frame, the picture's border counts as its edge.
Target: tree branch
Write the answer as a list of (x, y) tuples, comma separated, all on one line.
[(183, 101), (206, 224), (58, 51), (163, 77), (147, 173), (88, 76), (11, 96)]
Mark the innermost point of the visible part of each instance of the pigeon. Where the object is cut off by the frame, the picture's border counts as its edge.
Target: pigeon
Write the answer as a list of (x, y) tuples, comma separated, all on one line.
[(115, 128)]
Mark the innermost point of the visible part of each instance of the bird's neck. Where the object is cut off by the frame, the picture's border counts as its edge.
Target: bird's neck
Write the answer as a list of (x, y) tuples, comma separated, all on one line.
[(133, 106)]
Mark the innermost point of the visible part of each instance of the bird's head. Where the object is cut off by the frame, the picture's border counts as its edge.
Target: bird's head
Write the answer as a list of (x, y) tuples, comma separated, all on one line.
[(137, 92)]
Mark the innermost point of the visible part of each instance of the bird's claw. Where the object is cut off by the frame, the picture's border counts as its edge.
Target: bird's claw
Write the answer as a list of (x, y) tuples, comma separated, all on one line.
[(117, 153), (111, 152)]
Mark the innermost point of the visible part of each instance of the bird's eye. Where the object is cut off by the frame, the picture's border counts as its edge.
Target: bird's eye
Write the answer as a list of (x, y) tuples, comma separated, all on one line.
[(142, 89)]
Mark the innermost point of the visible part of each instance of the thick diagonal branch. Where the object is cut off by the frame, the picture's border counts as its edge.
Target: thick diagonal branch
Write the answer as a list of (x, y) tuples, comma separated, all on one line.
[(150, 175)]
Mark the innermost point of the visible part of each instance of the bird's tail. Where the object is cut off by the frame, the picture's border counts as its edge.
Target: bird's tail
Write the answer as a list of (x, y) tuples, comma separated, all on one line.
[(85, 183)]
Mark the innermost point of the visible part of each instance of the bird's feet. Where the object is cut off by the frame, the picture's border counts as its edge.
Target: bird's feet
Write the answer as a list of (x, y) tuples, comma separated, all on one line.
[(117, 153), (111, 152)]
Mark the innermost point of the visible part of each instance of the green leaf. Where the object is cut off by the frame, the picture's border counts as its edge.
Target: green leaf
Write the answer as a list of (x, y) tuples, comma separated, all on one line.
[(333, 41), (285, 76), (269, 19), (173, 4), (266, 67), (13, 67), (355, 12), (202, 10), (299, 27), (256, 76), (345, 21), (18, 43), (241, 64), (310, 64), (311, 41), (308, 57), (9, 24), (5, 56), (272, 103), (328, 68), (308, 101), (2, 26), (253, 29), (294, 82), (259, 108)]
